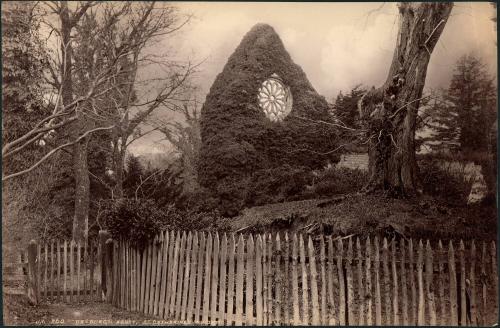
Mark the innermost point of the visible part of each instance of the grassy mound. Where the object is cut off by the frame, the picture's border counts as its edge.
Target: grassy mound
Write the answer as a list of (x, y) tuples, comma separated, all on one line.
[(425, 217)]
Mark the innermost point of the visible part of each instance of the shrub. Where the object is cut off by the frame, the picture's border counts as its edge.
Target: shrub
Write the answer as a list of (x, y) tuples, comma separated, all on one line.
[(200, 200), (336, 181), (137, 221), (277, 185), (445, 180), (231, 195), (476, 157), (176, 219)]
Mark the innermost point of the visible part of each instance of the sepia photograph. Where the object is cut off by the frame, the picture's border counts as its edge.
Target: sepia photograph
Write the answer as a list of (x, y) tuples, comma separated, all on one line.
[(249, 163)]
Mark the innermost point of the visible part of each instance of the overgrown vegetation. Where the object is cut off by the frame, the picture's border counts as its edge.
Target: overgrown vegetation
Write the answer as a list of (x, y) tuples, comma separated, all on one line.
[(440, 179), (230, 160), (140, 220), (136, 221), (239, 143), (336, 181), (425, 217), (277, 185), (463, 122)]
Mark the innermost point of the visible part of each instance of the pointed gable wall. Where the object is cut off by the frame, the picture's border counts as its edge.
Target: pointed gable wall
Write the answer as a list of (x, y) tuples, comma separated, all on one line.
[(237, 137)]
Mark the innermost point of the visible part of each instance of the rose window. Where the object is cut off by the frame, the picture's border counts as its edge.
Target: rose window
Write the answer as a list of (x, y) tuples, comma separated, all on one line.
[(275, 98)]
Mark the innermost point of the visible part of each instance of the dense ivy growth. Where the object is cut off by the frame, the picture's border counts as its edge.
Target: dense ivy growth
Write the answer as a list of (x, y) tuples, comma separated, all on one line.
[(238, 140)]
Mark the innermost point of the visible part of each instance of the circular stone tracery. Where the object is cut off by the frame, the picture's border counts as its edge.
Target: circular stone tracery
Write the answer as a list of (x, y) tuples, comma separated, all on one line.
[(275, 98)]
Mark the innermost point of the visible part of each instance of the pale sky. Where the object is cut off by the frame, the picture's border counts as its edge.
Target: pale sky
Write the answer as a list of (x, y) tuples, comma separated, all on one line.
[(338, 45)]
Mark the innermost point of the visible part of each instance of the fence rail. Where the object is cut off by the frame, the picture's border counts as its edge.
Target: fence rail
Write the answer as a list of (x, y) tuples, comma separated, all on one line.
[(195, 277)]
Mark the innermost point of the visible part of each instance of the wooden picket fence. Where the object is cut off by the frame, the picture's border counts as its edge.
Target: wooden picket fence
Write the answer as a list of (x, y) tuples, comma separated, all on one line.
[(63, 271), (197, 277)]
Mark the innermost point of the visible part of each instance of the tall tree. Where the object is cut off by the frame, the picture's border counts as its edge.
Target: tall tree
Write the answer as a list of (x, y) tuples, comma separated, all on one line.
[(84, 80), (142, 25), (345, 107), (389, 112), (69, 21), (346, 113), (462, 119)]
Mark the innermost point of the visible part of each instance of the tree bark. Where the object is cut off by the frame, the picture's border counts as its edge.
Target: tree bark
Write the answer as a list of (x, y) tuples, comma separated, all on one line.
[(389, 112), (119, 164), (80, 165)]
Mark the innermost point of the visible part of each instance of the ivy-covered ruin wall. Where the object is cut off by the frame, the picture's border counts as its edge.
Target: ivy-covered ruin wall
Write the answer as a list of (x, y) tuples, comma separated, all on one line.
[(239, 141)]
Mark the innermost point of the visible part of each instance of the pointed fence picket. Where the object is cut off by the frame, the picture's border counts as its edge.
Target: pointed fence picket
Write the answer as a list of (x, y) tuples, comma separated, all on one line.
[(324, 310), (274, 279), (64, 271)]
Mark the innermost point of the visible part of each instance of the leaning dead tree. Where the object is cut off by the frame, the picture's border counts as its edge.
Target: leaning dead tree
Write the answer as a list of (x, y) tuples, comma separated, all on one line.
[(389, 112)]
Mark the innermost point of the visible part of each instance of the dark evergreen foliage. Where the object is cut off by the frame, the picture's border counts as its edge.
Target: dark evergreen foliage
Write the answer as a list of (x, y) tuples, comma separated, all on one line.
[(24, 59), (346, 112), (464, 117), (133, 176), (136, 220), (345, 107), (237, 138), (163, 185)]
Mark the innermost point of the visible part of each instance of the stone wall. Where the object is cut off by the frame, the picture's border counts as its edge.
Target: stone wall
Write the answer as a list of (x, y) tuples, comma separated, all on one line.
[(354, 161)]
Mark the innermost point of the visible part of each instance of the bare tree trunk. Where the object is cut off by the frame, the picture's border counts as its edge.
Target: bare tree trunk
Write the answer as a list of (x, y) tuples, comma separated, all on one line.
[(123, 131), (120, 171), (80, 167), (390, 112), (82, 191)]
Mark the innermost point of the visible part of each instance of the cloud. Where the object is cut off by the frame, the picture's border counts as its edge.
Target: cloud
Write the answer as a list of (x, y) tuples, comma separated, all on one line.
[(338, 45), (352, 55), (468, 30)]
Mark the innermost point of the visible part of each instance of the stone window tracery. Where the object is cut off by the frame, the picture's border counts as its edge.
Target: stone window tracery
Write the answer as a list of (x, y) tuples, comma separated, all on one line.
[(275, 98)]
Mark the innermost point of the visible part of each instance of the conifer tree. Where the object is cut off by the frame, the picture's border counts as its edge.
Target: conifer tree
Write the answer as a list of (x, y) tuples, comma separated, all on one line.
[(346, 106), (133, 175), (463, 117)]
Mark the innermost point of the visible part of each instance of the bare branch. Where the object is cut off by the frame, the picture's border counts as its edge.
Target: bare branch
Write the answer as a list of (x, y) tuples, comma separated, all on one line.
[(142, 135), (36, 137), (52, 152), (100, 181), (161, 97), (36, 130), (81, 11), (143, 181), (54, 6), (407, 104), (327, 123)]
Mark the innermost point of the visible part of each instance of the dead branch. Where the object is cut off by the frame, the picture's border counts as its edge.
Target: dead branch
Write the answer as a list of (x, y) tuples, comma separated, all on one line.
[(407, 104), (327, 123), (144, 181), (140, 135)]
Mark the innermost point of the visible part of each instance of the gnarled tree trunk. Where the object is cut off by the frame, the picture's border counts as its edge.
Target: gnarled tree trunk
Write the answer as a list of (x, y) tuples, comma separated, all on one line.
[(389, 112)]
